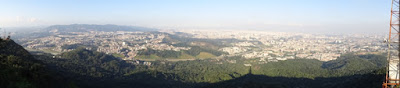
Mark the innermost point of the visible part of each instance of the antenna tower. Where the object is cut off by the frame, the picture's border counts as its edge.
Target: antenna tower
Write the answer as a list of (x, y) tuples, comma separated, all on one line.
[(392, 68)]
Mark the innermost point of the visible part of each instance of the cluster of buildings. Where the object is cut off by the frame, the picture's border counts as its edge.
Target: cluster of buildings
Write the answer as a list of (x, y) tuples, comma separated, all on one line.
[(265, 46), (282, 45), (121, 42)]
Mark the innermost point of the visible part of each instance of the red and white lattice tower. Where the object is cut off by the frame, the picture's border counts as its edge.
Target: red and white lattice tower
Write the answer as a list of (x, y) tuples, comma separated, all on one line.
[(392, 73)]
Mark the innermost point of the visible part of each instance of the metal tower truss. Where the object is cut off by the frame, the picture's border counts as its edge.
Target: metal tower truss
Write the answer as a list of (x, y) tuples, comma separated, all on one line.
[(392, 73)]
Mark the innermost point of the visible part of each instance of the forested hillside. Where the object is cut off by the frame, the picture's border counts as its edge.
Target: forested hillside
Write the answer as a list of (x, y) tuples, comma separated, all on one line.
[(20, 70), (90, 69), (193, 52)]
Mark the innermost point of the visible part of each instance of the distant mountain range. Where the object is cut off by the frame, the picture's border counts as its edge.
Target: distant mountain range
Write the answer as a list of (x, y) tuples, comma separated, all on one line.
[(43, 32), (94, 27)]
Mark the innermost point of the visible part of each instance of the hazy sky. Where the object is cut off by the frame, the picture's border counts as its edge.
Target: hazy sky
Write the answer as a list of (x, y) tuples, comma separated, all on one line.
[(277, 15)]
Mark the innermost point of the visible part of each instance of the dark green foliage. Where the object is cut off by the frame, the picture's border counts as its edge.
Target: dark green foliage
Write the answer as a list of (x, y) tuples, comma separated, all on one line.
[(370, 80), (168, 53), (376, 59), (160, 53), (202, 71), (195, 50), (346, 65), (73, 46), (184, 39), (87, 68), (19, 69), (349, 64), (297, 68), (89, 63), (90, 69), (210, 45), (124, 50), (9, 47)]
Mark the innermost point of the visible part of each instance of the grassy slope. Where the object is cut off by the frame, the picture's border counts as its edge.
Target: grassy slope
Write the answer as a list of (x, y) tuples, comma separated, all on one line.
[(205, 55), (118, 55), (152, 56), (183, 56)]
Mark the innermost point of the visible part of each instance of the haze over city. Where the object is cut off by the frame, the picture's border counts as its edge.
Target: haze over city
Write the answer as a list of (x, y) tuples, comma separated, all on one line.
[(199, 43), (324, 16)]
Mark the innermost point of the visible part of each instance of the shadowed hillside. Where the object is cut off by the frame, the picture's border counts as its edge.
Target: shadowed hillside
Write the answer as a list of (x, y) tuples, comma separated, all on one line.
[(20, 70), (83, 68), (370, 80)]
